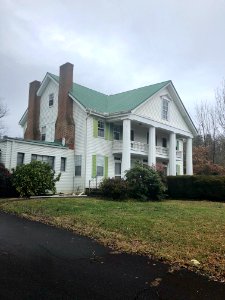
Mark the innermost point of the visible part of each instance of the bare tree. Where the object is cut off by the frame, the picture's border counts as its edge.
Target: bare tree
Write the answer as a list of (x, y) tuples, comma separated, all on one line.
[(208, 127), (3, 113), (220, 104)]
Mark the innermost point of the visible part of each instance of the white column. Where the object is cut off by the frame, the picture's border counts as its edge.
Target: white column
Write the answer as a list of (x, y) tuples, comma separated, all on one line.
[(189, 163), (126, 147), (151, 147), (172, 154)]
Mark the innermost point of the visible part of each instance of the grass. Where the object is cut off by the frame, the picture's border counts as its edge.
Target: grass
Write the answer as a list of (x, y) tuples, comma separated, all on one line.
[(176, 231)]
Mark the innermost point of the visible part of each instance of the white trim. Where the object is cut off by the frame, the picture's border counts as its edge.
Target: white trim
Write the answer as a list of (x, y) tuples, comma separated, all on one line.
[(167, 127), (23, 119), (44, 84), (41, 144)]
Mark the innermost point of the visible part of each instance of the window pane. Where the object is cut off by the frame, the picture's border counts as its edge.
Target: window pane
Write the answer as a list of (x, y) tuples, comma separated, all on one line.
[(78, 164), (132, 135), (165, 108), (116, 133), (33, 157), (117, 168), (100, 171), (63, 164), (77, 170), (51, 99), (101, 128), (20, 158), (164, 142), (44, 158)]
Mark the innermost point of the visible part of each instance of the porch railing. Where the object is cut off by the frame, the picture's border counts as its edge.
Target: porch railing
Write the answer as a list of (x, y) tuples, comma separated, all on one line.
[(139, 147)]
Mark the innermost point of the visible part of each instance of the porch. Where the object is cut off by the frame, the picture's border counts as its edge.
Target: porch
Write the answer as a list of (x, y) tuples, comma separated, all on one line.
[(142, 149)]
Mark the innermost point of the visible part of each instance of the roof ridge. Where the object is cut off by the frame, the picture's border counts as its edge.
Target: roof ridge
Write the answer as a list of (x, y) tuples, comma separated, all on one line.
[(167, 81), (108, 95)]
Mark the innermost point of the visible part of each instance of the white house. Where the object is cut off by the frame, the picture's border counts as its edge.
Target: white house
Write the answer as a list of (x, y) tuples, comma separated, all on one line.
[(87, 135)]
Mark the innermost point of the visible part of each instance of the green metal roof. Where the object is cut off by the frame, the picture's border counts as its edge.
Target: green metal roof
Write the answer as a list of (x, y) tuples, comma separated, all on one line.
[(121, 102)]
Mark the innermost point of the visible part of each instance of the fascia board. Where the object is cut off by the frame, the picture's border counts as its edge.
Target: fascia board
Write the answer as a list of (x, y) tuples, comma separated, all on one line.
[(184, 112), (159, 125), (23, 119), (44, 83)]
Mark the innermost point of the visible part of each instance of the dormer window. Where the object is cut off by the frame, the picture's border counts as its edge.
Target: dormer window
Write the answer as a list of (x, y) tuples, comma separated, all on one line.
[(51, 100), (165, 109)]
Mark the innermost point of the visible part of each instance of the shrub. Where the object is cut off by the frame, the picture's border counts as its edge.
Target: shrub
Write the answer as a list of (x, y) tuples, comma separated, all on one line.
[(113, 188), (197, 187), (144, 183), (6, 188), (35, 178)]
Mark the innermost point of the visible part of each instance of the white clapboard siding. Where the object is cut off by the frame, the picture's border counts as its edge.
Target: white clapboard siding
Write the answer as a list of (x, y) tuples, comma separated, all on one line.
[(48, 115), (10, 148), (97, 146), (152, 108), (80, 143)]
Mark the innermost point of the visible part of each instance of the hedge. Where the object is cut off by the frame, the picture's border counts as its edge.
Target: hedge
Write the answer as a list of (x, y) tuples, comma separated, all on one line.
[(201, 187)]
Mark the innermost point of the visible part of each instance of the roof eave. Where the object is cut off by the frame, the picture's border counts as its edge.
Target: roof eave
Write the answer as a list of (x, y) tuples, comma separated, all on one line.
[(45, 82)]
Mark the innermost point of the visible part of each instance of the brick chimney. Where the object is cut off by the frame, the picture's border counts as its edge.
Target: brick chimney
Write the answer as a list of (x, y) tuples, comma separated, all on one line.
[(32, 131), (64, 126)]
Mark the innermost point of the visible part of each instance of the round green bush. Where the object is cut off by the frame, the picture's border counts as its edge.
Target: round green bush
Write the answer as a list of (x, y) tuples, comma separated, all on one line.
[(113, 188), (144, 183), (35, 178)]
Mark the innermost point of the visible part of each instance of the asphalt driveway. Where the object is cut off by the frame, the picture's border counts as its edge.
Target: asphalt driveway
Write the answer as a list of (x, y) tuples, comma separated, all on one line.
[(42, 262)]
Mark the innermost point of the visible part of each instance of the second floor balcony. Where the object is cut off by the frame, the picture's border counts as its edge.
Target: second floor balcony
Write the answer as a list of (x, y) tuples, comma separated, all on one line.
[(142, 149)]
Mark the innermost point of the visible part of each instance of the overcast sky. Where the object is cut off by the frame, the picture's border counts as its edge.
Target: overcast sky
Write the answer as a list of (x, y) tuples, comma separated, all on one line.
[(115, 45)]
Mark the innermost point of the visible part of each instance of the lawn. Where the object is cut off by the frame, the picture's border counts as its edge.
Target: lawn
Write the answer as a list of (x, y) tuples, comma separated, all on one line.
[(176, 231)]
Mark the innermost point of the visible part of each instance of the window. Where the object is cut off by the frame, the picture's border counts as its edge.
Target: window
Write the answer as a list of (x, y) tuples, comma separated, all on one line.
[(116, 133), (101, 128), (51, 100), (43, 133), (100, 165), (178, 170), (147, 137), (165, 109), (63, 164), (20, 158), (117, 170), (44, 158), (132, 135), (164, 142), (78, 163), (177, 146)]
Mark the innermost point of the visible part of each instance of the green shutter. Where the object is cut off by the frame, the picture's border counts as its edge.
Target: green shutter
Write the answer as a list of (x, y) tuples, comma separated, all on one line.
[(93, 166), (95, 128), (106, 167), (106, 131)]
